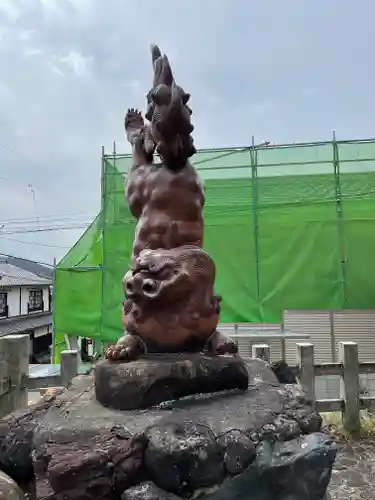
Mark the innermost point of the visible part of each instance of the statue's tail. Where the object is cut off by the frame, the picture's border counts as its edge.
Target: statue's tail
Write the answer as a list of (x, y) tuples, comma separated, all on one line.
[(169, 114)]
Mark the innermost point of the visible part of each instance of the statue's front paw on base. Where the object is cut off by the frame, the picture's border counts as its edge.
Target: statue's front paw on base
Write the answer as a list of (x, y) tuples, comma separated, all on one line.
[(218, 345), (128, 348), (156, 378)]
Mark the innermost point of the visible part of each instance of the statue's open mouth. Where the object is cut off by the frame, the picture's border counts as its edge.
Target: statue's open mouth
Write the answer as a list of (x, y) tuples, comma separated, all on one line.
[(141, 287), (150, 288)]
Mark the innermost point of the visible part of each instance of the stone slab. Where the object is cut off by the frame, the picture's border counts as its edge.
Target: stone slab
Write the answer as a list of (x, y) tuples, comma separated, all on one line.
[(156, 378), (79, 410)]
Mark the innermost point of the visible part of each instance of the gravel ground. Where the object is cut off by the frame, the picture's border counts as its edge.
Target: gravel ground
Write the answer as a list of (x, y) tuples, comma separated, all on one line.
[(353, 476)]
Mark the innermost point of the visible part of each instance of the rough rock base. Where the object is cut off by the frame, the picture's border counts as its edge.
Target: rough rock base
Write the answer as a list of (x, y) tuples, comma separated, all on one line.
[(9, 490), (264, 442)]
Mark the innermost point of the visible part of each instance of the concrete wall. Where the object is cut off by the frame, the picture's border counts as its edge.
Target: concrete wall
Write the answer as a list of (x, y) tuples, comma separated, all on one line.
[(14, 301), (42, 330)]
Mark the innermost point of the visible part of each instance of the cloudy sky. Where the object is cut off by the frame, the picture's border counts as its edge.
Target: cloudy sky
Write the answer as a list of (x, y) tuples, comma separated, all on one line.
[(283, 71)]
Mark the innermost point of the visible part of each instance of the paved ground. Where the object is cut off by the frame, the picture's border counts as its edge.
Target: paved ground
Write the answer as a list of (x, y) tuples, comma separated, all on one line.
[(353, 477)]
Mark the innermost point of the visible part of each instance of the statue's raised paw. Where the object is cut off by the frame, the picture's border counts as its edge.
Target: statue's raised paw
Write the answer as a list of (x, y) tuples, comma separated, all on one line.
[(133, 120), (219, 344), (128, 348)]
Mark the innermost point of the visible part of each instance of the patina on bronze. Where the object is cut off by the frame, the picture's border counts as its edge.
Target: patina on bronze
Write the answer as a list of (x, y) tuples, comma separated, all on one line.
[(170, 304)]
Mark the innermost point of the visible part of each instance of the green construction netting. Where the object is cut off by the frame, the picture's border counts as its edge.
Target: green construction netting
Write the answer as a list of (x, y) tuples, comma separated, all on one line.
[(78, 289), (289, 227)]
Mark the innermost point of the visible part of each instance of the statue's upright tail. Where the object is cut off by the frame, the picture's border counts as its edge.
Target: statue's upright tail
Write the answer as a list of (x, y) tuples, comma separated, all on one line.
[(169, 114)]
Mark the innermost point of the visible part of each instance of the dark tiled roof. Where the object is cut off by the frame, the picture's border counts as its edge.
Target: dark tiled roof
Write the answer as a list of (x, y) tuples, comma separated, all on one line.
[(20, 324), (29, 265), (11, 275)]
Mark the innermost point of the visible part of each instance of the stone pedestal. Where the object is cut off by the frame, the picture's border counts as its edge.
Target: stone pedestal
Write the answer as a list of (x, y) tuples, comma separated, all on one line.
[(164, 377), (265, 440)]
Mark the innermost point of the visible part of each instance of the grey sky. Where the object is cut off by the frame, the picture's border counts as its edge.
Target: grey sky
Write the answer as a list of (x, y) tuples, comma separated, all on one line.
[(283, 71)]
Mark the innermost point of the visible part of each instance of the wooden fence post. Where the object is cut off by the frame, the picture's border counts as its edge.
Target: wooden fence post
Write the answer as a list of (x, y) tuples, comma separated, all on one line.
[(261, 351), (68, 366), (349, 387), (14, 361), (305, 360)]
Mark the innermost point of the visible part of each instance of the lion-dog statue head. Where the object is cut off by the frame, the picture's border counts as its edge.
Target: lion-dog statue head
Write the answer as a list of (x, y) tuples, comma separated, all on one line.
[(169, 296)]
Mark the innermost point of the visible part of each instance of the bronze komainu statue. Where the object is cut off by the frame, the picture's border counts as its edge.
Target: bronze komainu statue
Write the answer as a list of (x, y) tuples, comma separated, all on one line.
[(170, 305)]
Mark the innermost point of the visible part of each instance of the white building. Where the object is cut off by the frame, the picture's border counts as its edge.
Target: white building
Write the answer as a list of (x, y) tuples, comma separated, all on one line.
[(26, 307)]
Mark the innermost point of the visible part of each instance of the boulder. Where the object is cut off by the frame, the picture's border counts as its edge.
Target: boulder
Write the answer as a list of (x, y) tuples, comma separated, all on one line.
[(147, 491), (101, 468), (9, 490), (157, 378), (283, 372), (299, 469), (16, 440), (266, 440)]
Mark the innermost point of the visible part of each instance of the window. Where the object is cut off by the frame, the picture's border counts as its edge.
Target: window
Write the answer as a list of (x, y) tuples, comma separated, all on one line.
[(36, 300), (3, 304)]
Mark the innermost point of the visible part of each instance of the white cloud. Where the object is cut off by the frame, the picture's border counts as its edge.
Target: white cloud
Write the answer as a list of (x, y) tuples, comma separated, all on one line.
[(30, 52), (56, 70), (77, 63), (11, 9), (70, 69)]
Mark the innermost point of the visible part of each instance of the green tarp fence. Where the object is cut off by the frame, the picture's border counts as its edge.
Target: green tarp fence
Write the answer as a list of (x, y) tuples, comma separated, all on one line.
[(78, 289), (289, 227)]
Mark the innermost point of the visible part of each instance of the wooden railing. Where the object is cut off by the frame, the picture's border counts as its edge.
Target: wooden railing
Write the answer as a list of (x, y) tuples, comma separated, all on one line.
[(15, 381), (348, 368)]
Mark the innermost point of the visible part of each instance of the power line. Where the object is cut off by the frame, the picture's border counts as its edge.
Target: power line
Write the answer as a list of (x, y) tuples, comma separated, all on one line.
[(29, 185), (22, 226), (16, 154), (34, 243), (46, 229), (49, 218), (14, 181)]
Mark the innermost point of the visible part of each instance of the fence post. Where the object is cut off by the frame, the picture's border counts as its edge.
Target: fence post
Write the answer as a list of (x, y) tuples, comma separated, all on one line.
[(261, 351), (68, 366), (14, 361), (332, 335), (349, 387), (73, 342), (305, 360)]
